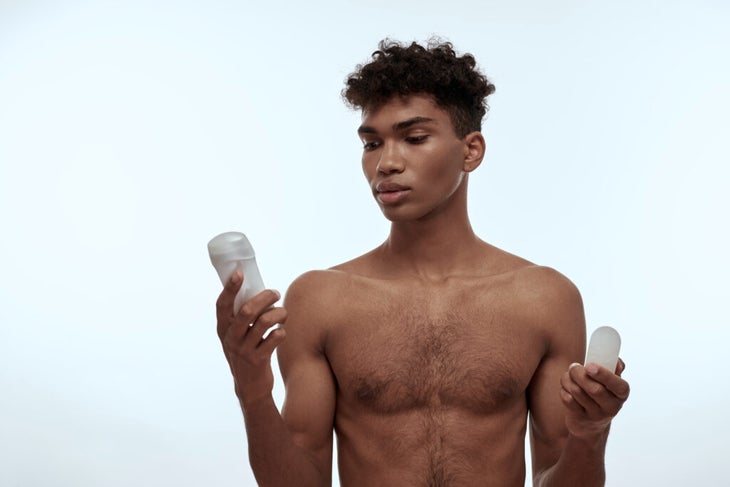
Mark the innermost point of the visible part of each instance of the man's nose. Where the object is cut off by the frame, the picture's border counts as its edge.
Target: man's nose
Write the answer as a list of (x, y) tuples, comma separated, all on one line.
[(391, 161)]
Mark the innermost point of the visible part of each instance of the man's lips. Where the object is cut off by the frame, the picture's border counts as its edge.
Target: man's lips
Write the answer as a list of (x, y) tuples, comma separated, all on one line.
[(388, 187), (389, 193)]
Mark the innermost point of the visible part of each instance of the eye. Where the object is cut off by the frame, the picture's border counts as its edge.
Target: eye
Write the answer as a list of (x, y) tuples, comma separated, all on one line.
[(369, 145), (416, 139)]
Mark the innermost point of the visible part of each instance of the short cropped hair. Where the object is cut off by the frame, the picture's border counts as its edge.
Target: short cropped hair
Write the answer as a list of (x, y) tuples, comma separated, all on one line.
[(454, 82)]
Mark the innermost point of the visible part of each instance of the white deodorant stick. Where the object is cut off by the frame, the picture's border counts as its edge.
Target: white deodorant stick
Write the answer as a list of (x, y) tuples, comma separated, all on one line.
[(230, 251), (604, 347)]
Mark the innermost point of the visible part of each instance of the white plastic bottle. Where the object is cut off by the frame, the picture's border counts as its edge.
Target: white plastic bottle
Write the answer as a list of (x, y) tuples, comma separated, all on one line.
[(604, 348), (230, 251)]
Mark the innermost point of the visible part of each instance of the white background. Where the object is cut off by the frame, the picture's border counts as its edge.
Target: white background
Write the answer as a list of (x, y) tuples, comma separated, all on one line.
[(133, 132)]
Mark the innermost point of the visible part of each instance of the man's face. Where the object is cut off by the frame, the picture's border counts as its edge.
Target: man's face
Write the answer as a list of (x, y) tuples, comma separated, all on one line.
[(412, 158)]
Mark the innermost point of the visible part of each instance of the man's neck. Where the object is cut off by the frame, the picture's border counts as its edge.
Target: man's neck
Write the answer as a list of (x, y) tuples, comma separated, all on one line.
[(433, 248)]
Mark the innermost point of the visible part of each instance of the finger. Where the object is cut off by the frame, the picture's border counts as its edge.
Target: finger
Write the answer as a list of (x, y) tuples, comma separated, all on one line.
[(251, 309), (224, 304), (570, 402), (578, 385), (269, 318), (610, 381), (272, 341), (241, 324), (620, 367)]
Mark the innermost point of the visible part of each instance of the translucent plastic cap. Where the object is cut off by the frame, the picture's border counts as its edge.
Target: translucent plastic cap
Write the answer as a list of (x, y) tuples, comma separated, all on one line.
[(230, 246), (604, 347)]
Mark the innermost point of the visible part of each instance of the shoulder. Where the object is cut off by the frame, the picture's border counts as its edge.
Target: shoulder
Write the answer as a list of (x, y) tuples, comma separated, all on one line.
[(317, 286), (318, 294), (530, 283), (550, 301), (313, 292), (317, 302), (542, 283)]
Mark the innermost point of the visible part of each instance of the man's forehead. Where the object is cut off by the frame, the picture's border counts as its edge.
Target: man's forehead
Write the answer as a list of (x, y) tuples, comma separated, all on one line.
[(400, 112)]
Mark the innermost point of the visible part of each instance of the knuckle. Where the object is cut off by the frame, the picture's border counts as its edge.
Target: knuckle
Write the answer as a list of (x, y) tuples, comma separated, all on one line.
[(265, 321), (272, 317), (594, 389), (275, 337), (246, 309), (573, 389), (258, 329), (283, 314)]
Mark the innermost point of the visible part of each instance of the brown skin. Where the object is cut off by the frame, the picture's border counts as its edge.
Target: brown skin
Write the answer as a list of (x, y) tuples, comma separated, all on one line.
[(426, 354)]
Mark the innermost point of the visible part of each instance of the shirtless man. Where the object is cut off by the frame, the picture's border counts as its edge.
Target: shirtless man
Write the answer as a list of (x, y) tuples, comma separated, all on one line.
[(426, 354)]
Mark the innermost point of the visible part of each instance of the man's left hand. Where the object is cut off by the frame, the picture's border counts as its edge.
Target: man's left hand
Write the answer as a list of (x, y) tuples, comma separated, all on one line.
[(593, 395)]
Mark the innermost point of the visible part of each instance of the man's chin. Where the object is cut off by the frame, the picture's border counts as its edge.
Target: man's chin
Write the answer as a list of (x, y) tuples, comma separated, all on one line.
[(395, 215)]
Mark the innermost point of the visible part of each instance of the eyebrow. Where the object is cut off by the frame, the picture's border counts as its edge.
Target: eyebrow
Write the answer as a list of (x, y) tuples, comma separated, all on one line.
[(366, 129)]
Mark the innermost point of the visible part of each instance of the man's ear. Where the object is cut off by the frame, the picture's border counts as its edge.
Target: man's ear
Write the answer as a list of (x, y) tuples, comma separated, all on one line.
[(474, 147)]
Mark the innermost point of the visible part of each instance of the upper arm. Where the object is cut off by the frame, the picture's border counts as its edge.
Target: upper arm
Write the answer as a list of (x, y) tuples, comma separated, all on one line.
[(309, 405), (559, 314)]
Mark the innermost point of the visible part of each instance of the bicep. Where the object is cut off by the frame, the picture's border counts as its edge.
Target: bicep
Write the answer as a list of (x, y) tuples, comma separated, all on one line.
[(564, 322), (548, 431), (309, 404)]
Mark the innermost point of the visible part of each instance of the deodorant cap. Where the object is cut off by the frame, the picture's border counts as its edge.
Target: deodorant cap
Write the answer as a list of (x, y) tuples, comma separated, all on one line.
[(604, 347), (230, 246)]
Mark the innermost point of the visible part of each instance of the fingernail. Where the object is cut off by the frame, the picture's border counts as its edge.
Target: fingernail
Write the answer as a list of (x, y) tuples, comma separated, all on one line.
[(278, 294), (235, 278), (574, 364), (592, 369)]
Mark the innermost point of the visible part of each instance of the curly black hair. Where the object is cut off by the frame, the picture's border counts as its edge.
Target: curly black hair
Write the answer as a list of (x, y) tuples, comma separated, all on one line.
[(398, 70)]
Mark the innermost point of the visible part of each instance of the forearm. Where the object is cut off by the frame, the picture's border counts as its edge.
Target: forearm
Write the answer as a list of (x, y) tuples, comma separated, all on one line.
[(581, 464), (275, 459)]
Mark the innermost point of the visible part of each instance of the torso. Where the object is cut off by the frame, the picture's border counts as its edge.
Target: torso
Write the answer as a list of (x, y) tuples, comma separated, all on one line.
[(432, 378)]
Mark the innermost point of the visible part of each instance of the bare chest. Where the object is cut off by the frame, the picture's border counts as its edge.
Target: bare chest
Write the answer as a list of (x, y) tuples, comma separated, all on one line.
[(413, 354)]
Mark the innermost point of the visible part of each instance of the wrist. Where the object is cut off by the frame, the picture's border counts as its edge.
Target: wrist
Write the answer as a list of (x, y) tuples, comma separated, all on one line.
[(588, 438), (250, 403), (586, 429)]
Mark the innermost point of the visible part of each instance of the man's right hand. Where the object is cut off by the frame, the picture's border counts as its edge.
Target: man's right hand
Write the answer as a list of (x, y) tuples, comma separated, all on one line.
[(242, 336)]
